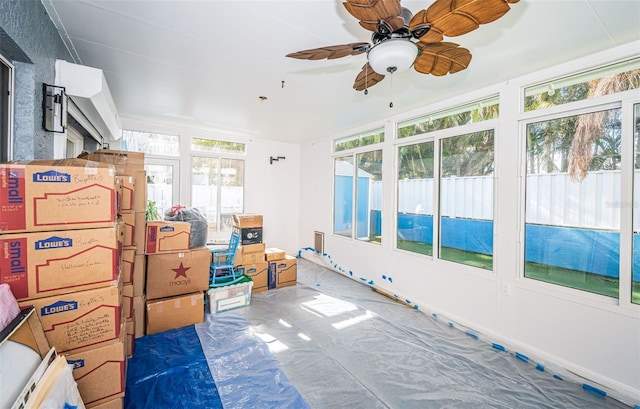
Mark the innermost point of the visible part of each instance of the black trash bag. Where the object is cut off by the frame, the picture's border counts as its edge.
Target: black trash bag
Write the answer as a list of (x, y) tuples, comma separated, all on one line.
[(199, 225)]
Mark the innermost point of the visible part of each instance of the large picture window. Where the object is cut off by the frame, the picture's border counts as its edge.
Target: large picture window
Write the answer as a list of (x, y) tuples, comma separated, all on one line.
[(415, 198), (572, 231), (466, 199), (357, 206)]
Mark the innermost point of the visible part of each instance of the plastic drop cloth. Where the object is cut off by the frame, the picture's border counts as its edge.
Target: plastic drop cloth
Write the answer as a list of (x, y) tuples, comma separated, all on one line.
[(344, 346)]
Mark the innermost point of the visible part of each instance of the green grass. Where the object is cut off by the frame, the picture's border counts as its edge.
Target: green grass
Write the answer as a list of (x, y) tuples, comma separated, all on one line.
[(594, 283)]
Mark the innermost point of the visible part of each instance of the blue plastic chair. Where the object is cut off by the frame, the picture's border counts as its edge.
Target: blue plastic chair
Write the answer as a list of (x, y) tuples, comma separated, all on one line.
[(222, 271)]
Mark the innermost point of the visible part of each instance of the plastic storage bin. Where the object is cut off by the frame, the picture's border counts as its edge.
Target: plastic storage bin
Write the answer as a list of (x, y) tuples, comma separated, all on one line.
[(230, 296)]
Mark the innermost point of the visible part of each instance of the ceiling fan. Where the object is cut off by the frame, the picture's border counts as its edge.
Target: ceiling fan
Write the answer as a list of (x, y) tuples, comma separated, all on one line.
[(401, 39)]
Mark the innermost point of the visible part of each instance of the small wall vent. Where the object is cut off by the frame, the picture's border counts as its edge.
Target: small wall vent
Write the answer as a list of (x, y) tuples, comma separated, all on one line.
[(318, 242)]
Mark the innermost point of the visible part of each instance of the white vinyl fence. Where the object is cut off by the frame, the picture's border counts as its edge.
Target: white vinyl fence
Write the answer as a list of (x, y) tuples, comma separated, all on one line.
[(551, 199)]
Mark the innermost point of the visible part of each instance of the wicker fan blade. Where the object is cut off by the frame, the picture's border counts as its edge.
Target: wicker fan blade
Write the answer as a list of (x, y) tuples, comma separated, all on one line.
[(367, 78), (456, 17), (330, 52), (441, 58), (370, 12)]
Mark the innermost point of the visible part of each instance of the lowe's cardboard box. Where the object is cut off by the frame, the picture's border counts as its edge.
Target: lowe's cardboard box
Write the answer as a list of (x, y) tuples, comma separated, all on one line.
[(43, 264), (100, 372), (283, 273), (80, 319), (124, 162), (259, 273), (174, 312), (167, 236), (41, 195), (177, 273)]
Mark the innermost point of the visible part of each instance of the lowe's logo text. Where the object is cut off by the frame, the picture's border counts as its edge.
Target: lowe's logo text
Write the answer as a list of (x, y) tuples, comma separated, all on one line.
[(77, 363), (53, 242), (58, 307), (14, 191), (167, 228), (51, 176)]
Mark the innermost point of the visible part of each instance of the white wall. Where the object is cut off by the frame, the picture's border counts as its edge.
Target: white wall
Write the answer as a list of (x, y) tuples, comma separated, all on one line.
[(594, 336)]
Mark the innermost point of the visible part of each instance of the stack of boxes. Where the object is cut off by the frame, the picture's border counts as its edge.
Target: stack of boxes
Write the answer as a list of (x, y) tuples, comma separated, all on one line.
[(62, 255), (177, 277), (269, 268)]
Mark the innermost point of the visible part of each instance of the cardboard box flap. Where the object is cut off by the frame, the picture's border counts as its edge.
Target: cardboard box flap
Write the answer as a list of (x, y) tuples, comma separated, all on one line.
[(27, 330)]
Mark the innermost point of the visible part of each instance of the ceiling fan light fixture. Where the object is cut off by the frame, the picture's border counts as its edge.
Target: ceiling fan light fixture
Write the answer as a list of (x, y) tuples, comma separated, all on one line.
[(392, 55)]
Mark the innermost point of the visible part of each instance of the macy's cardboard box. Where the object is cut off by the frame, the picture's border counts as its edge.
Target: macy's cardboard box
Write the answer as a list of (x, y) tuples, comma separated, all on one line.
[(167, 236), (80, 319), (100, 372), (283, 273), (174, 312), (43, 264), (177, 273), (41, 195)]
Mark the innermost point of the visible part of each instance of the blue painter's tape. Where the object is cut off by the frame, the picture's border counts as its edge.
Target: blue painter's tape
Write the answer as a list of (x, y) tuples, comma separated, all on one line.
[(498, 347), (434, 315), (396, 295), (540, 367), (415, 307), (370, 282), (363, 279), (350, 272), (390, 280), (384, 277), (594, 390), (522, 357), (407, 301), (451, 324), (558, 377), (636, 407), (317, 284), (472, 334)]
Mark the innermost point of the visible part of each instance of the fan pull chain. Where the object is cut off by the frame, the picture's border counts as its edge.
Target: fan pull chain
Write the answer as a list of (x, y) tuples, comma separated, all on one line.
[(366, 79), (391, 102)]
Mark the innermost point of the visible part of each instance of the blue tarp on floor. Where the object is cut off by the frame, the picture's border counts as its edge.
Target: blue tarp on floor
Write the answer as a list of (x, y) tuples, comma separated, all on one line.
[(169, 370)]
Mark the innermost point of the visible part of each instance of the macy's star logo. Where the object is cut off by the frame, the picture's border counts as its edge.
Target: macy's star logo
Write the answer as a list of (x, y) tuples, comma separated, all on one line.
[(181, 271)]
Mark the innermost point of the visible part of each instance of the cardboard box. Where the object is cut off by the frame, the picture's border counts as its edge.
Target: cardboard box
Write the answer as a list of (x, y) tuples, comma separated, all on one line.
[(140, 194), (174, 312), (118, 189), (249, 235), (140, 232), (139, 315), (128, 189), (26, 329), (251, 253), (247, 220), (100, 372), (139, 274), (230, 296), (259, 273), (127, 301), (252, 248), (43, 195), (127, 262), (283, 273), (112, 404), (130, 328), (177, 273), (43, 264), (80, 319), (124, 162), (273, 254), (252, 258), (167, 237), (129, 229)]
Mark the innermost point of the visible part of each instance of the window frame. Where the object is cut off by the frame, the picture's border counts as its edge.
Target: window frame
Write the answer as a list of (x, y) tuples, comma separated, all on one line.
[(6, 129)]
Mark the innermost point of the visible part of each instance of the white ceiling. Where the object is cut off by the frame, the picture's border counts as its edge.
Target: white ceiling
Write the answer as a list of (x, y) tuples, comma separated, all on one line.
[(203, 64)]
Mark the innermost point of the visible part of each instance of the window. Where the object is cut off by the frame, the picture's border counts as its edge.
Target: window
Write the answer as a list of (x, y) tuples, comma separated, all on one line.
[(217, 182), (463, 115), (466, 199), (415, 198), (572, 230), (162, 183), (6, 98), (358, 189), (594, 83), (151, 143), (635, 282)]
